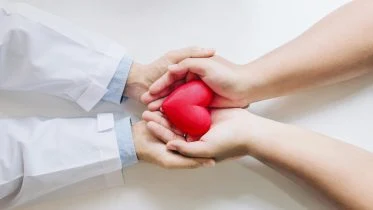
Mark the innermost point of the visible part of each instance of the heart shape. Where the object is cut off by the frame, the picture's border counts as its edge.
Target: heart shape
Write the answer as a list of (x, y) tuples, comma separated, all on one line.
[(186, 108)]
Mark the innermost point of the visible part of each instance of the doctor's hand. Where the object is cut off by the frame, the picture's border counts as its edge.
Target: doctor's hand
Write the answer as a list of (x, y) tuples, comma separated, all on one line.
[(226, 79), (232, 134), (151, 149), (142, 76)]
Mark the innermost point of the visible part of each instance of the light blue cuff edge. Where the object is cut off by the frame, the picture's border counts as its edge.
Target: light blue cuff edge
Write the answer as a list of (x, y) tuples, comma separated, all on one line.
[(127, 151), (118, 82)]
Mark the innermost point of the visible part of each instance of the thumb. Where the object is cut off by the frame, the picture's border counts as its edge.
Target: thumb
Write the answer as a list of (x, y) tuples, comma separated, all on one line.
[(191, 149), (175, 56), (198, 66)]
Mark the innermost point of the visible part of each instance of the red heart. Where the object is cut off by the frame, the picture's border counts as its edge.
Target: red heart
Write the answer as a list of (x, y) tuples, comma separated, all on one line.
[(186, 108)]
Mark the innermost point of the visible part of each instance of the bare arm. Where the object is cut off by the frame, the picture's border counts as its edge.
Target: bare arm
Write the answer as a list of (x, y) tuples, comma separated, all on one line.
[(340, 170), (337, 48)]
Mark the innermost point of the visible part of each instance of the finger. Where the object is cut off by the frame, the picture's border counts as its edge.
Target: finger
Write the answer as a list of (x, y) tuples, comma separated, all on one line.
[(192, 138), (175, 56), (147, 97), (221, 60), (177, 131), (166, 81), (168, 125), (175, 161), (176, 85), (169, 89), (191, 149), (162, 133), (165, 92), (190, 76), (156, 105), (198, 66), (156, 117)]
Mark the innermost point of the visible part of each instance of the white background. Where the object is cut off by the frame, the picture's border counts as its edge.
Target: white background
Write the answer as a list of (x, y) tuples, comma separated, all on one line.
[(240, 30)]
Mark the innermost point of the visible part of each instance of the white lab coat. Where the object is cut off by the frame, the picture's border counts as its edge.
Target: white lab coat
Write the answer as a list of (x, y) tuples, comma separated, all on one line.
[(42, 53)]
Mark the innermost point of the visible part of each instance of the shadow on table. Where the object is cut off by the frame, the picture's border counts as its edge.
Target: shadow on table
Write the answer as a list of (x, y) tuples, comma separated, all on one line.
[(228, 185), (223, 187), (298, 190)]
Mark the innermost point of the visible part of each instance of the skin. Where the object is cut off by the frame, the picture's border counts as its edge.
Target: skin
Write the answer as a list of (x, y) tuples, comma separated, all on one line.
[(337, 48), (148, 147), (219, 74), (341, 171)]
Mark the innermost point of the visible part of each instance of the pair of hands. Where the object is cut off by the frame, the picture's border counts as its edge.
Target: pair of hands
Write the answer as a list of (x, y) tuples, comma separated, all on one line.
[(148, 147), (157, 142)]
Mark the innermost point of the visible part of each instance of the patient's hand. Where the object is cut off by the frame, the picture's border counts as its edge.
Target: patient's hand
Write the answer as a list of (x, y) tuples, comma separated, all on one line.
[(231, 134)]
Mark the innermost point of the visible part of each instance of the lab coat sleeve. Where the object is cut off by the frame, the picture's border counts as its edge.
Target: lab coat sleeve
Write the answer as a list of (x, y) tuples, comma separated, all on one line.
[(117, 84), (41, 52), (39, 155)]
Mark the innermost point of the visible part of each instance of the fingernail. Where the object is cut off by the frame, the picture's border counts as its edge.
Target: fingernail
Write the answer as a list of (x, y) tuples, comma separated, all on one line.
[(172, 67), (208, 164), (209, 49)]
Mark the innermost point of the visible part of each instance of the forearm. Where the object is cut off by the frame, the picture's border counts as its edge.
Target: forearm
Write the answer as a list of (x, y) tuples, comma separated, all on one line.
[(337, 48), (61, 60), (40, 156), (342, 171)]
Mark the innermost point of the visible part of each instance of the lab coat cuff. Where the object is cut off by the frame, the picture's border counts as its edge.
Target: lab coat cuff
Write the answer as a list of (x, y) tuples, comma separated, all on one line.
[(127, 152), (98, 86), (118, 82)]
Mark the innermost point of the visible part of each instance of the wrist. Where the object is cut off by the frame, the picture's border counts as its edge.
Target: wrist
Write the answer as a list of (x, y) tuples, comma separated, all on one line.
[(266, 137), (249, 141), (136, 84), (255, 84)]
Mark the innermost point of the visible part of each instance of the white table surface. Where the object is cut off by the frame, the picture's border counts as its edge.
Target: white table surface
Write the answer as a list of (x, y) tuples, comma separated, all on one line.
[(240, 30)]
